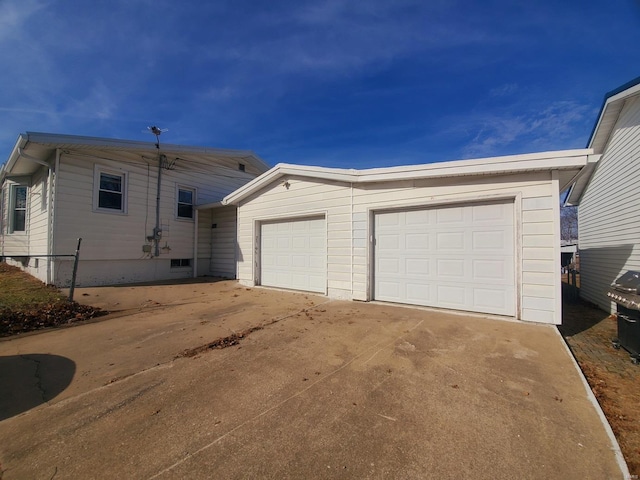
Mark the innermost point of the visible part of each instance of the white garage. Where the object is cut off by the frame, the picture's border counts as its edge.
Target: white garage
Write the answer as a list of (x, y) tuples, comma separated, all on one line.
[(459, 257), (293, 254), (477, 235)]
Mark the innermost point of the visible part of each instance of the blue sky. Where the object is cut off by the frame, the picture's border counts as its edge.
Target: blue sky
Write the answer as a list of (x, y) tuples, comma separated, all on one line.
[(336, 83)]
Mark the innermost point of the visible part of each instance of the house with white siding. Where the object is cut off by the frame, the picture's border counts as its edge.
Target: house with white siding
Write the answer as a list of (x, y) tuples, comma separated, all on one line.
[(607, 194), (134, 204), (477, 235)]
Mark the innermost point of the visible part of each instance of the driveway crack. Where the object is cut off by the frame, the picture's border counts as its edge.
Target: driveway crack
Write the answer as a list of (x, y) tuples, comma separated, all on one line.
[(37, 376)]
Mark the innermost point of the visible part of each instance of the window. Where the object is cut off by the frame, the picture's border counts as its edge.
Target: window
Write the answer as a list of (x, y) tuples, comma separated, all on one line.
[(18, 208), (180, 262), (110, 191), (186, 197)]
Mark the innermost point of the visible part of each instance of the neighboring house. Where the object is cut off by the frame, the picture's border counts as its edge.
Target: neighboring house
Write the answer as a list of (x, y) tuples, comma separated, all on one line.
[(474, 235), (569, 255), (608, 196), (58, 188)]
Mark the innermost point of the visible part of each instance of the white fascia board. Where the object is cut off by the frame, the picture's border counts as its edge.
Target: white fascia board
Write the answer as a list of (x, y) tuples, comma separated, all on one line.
[(611, 107), (56, 140), (581, 181), (565, 159)]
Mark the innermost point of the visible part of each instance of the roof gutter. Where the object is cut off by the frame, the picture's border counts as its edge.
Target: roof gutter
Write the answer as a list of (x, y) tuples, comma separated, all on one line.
[(21, 143), (26, 156)]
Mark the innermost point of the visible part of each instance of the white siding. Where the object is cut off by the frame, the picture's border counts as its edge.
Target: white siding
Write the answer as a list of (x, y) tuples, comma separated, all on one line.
[(349, 213), (609, 225), (114, 240), (221, 242), (38, 224)]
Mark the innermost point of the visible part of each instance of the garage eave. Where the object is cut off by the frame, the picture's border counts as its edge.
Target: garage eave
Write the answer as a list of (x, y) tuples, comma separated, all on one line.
[(545, 161)]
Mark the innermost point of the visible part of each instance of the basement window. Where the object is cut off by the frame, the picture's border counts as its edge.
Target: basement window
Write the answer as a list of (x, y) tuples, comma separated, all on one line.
[(180, 262)]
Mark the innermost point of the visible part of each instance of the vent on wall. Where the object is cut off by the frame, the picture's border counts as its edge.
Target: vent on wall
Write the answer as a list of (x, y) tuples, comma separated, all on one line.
[(241, 167)]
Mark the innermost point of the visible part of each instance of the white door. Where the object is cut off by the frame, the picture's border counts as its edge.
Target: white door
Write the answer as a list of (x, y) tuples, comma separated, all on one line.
[(293, 254), (459, 257)]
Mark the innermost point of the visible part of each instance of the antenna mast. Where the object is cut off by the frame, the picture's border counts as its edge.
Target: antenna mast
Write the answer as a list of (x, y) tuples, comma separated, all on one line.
[(157, 231)]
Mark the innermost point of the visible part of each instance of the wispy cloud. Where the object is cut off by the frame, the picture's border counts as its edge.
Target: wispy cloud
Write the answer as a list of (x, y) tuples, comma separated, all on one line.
[(562, 124)]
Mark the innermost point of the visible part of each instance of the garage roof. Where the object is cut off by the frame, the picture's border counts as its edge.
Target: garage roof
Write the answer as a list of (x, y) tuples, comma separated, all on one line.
[(544, 161)]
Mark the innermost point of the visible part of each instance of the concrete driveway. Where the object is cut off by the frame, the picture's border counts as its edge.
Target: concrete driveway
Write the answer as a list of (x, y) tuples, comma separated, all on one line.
[(327, 389)]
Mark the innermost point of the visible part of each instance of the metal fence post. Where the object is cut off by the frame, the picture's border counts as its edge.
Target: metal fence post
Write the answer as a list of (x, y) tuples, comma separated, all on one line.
[(75, 270)]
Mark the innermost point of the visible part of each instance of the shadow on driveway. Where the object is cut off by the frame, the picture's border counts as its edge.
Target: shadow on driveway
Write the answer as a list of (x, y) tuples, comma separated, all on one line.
[(32, 379)]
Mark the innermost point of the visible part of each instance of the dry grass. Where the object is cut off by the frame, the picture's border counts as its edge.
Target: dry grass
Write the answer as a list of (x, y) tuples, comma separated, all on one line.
[(19, 290), (26, 304)]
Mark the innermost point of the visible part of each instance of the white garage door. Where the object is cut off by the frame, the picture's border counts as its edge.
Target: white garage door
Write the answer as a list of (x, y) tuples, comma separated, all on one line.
[(459, 257), (293, 254)]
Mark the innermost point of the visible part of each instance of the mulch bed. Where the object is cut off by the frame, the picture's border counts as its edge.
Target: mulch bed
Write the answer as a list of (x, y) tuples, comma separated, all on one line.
[(13, 322)]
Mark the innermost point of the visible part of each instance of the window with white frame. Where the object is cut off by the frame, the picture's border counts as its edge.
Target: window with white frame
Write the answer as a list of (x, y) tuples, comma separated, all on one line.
[(186, 200), (18, 208), (110, 191)]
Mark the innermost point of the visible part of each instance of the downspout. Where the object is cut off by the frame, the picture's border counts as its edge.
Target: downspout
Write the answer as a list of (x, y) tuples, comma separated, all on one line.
[(53, 195), (49, 215), (2, 220), (351, 238), (195, 245)]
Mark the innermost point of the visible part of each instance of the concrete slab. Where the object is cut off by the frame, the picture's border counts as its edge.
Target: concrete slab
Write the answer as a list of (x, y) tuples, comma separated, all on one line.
[(331, 390)]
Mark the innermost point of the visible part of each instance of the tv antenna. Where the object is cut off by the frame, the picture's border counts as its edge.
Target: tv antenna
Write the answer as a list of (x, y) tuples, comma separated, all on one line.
[(157, 131)]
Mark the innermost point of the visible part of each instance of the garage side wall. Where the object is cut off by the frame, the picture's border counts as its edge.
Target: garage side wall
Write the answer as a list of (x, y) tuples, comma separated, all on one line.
[(349, 212), (609, 227)]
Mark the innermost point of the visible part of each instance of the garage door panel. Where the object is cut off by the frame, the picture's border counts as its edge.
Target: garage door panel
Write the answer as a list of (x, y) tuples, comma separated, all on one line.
[(390, 220), (489, 240), (450, 240), (417, 217), (293, 254), (415, 241), (451, 295), (451, 267), (492, 214), (495, 271), (489, 298), (418, 293), (418, 266), (389, 265), (450, 215), (451, 257)]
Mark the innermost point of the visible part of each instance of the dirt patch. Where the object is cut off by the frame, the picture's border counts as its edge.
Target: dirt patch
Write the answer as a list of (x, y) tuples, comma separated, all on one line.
[(610, 373), (223, 342)]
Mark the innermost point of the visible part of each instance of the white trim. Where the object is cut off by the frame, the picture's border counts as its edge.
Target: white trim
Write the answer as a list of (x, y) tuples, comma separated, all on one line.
[(555, 195), (97, 171), (559, 160)]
